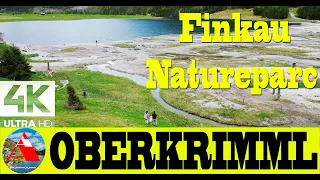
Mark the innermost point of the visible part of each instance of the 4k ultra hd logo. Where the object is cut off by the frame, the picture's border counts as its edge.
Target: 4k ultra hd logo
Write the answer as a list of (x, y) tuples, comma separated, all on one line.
[(27, 98)]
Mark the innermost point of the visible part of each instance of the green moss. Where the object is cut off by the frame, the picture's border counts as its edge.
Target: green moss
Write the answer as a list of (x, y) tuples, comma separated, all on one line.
[(125, 45), (70, 49), (174, 45)]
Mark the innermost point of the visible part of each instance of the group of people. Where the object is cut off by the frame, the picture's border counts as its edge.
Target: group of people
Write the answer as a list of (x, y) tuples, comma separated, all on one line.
[(149, 119)]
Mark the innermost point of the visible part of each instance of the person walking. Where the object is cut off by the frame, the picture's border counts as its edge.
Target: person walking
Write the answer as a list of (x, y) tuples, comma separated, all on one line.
[(154, 118), (146, 117), (151, 119), (96, 42)]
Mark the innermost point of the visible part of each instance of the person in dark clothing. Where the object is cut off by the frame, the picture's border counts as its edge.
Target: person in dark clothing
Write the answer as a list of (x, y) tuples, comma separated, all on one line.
[(154, 118), (96, 42), (84, 93)]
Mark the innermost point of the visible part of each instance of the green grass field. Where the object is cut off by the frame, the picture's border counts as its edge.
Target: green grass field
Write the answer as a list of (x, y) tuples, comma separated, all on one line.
[(3, 79), (47, 17), (111, 102), (247, 14)]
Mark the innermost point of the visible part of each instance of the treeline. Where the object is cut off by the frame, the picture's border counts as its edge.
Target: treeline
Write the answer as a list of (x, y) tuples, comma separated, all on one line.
[(114, 10), (16, 9), (272, 12), (32, 9), (309, 12), (157, 11)]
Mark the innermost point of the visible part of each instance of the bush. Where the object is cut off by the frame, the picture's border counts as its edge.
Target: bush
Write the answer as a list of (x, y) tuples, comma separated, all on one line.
[(309, 12), (13, 64), (74, 102), (213, 9), (272, 12), (258, 10)]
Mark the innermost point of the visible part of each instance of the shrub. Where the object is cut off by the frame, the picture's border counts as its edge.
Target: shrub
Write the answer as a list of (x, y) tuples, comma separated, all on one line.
[(258, 10), (213, 9), (74, 102), (272, 12), (13, 64), (309, 12)]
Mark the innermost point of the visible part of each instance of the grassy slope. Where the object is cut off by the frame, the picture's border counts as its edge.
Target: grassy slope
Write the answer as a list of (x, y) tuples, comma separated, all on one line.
[(38, 17), (3, 79), (246, 14), (111, 102)]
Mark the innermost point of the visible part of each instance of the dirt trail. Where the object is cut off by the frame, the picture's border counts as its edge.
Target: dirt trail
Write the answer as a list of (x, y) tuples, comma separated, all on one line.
[(294, 17)]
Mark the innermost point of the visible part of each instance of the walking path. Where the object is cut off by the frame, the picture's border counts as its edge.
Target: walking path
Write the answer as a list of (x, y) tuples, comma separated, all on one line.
[(294, 17)]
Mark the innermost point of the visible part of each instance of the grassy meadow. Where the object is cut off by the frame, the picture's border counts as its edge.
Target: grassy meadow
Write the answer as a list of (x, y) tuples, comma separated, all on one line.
[(111, 102), (247, 14), (47, 17)]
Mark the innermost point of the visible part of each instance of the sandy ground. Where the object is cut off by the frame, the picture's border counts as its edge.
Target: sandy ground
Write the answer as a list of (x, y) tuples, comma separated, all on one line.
[(304, 103)]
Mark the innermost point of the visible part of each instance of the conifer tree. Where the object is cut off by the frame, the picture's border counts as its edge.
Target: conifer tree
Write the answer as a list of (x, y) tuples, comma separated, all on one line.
[(13, 64), (74, 102)]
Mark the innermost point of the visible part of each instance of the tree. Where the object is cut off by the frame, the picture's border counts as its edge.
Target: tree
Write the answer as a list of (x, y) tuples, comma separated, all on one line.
[(13, 64), (73, 102)]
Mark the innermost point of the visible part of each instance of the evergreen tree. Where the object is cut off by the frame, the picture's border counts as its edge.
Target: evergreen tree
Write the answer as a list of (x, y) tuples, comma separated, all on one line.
[(74, 102), (13, 64)]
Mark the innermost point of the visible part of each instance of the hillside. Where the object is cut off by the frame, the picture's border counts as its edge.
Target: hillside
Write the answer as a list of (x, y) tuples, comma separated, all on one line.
[(11, 144), (248, 14)]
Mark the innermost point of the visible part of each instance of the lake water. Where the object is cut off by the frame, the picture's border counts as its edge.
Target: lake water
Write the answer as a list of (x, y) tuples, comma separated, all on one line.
[(87, 31)]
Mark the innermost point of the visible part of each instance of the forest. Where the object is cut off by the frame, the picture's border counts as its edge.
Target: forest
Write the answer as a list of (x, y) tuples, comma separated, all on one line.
[(157, 11)]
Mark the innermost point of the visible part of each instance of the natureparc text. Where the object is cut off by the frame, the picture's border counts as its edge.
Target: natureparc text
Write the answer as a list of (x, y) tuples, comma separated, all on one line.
[(242, 77), (261, 78)]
